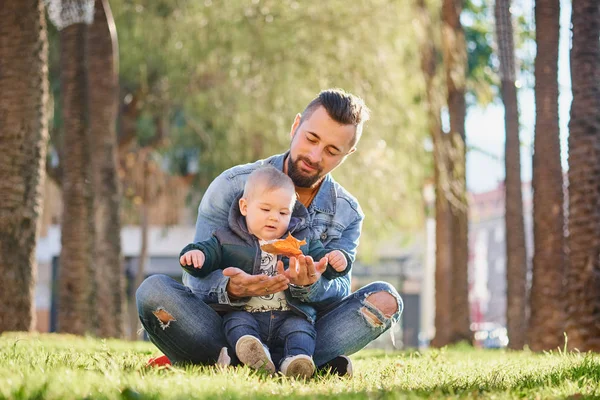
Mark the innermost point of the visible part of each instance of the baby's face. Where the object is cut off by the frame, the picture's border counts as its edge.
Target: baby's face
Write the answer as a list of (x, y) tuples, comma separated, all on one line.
[(268, 213)]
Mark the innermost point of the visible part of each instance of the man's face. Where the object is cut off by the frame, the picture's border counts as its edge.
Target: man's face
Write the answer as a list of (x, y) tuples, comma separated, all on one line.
[(318, 146), (268, 213)]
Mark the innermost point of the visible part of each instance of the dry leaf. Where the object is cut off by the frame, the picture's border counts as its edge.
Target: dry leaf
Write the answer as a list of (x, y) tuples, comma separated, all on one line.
[(289, 247)]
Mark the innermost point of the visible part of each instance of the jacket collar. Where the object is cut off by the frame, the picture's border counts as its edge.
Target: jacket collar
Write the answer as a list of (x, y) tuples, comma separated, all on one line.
[(324, 201), (237, 222)]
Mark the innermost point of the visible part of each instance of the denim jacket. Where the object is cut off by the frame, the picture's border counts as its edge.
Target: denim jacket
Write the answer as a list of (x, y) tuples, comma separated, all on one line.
[(335, 218)]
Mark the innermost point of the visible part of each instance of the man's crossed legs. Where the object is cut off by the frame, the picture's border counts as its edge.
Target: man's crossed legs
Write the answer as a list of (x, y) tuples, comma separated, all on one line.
[(187, 330)]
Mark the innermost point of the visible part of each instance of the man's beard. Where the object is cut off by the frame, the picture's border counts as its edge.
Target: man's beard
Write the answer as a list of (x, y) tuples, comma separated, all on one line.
[(298, 177)]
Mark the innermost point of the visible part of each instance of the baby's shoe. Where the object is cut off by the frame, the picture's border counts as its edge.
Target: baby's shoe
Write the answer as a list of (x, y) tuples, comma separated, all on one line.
[(299, 366), (253, 353)]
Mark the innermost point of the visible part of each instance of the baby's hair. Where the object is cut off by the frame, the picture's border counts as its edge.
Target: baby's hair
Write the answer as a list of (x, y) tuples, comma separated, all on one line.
[(268, 178)]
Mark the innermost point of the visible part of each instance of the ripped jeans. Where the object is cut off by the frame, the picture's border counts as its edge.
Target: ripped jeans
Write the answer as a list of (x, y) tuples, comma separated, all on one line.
[(187, 330)]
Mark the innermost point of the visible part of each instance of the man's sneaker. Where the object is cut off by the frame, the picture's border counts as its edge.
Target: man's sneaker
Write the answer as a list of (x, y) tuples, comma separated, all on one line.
[(160, 361), (341, 365), (253, 353), (300, 366)]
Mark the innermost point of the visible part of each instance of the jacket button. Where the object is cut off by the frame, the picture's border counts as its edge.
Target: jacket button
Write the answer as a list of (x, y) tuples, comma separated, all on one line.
[(323, 235)]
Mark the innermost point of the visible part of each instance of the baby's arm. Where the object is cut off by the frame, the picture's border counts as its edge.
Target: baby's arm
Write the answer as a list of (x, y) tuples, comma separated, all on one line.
[(201, 258), (339, 262)]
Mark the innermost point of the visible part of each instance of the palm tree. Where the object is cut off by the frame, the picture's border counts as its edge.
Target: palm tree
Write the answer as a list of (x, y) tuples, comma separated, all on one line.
[(583, 278), (546, 324), (103, 92), (443, 242), (23, 140), (74, 306), (516, 257), (454, 50), (443, 217)]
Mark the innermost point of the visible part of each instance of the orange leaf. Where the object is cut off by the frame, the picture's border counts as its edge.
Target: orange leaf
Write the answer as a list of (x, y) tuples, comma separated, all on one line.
[(289, 247)]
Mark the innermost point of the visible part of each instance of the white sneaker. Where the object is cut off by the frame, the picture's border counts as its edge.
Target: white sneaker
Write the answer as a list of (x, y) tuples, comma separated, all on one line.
[(299, 366), (253, 353)]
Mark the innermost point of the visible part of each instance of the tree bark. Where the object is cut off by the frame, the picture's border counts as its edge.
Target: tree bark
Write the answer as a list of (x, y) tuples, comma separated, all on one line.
[(516, 257), (103, 92), (546, 325), (583, 293), (74, 312), (443, 250), (443, 220), (140, 273), (455, 61), (23, 140)]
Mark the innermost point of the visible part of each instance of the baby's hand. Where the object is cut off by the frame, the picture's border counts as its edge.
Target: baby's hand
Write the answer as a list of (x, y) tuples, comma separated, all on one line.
[(337, 260), (193, 257)]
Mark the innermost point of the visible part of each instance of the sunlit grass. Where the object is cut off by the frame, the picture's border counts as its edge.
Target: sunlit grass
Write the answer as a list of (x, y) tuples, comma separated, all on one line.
[(65, 367)]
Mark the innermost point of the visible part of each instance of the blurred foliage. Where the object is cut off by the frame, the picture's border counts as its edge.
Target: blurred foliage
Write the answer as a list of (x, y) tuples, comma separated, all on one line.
[(478, 22), (231, 77), (225, 80), (483, 84)]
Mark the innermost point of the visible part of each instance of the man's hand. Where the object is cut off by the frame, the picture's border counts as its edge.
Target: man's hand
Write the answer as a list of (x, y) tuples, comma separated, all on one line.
[(337, 260), (193, 257), (242, 284), (303, 271)]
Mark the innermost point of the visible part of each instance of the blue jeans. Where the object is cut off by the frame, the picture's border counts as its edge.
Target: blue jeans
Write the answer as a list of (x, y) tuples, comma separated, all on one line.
[(187, 330), (285, 333)]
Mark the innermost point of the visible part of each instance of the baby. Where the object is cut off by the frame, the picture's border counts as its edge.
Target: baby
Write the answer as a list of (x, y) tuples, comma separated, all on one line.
[(276, 328)]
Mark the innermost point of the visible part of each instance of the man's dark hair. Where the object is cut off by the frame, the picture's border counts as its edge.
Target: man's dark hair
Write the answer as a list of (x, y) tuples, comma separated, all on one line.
[(342, 107)]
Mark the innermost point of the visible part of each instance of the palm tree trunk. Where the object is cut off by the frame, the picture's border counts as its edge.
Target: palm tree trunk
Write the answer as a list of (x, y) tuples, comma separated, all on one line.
[(103, 92), (455, 61), (23, 140), (74, 313), (134, 320), (516, 257), (140, 273), (443, 221), (443, 250), (546, 325), (583, 293)]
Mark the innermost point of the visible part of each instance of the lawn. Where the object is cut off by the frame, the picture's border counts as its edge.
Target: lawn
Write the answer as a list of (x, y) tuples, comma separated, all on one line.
[(68, 367)]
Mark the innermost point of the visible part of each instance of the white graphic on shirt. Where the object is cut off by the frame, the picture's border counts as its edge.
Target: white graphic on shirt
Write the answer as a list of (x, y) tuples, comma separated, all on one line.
[(268, 302)]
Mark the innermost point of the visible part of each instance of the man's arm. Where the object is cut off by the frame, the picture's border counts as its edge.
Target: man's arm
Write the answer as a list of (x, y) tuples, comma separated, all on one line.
[(213, 211)]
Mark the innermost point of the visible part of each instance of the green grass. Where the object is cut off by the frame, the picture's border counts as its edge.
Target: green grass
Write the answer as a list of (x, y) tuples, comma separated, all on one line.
[(68, 367)]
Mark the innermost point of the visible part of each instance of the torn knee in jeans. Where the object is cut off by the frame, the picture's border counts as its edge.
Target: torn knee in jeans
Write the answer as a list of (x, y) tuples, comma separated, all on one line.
[(164, 318), (371, 318), (385, 302), (379, 308)]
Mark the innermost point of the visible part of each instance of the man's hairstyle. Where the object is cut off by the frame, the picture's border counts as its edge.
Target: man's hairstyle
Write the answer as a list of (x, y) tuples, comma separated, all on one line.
[(267, 178), (344, 108)]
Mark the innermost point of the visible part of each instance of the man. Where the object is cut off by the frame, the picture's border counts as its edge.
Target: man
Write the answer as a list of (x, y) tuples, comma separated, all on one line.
[(181, 320)]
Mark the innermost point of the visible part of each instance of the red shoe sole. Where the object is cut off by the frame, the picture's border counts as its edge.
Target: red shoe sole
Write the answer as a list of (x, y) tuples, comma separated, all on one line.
[(158, 361)]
